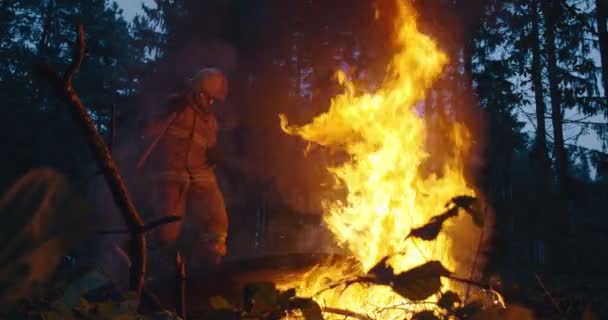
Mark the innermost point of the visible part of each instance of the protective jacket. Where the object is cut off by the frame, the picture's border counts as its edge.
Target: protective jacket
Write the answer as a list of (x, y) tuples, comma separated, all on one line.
[(183, 179)]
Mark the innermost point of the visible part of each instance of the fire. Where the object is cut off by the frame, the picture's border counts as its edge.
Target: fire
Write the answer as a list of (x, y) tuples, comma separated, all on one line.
[(388, 194)]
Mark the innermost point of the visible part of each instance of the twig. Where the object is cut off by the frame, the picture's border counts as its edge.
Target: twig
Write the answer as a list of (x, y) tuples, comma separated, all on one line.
[(152, 225), (474, 264), (63, 86), (121, 253), (540, 282), (345, 283), (181, 286), (112, 138), (346, 313)]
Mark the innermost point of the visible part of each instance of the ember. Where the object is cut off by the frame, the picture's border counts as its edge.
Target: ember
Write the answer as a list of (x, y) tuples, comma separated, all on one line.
[(388, 194)]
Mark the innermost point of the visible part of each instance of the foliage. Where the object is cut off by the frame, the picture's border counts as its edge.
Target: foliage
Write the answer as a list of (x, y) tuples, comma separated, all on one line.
[(263, 300)]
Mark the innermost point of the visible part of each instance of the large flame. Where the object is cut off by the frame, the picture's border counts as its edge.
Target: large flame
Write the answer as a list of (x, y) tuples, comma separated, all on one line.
[(387, 192)]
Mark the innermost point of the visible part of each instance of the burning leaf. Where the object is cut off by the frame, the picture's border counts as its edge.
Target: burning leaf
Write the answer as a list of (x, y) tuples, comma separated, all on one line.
[(285, 296), (382, 271), (449, 300), (472, 206), (425, 315), (309, 308), (421, 282), (431, 230)]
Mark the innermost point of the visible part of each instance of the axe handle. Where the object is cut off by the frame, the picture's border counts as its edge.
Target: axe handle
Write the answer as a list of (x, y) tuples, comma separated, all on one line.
[(155, 142)]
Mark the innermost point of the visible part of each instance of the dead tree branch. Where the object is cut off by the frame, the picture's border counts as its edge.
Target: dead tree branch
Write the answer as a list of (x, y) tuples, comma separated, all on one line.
[(63, 87)]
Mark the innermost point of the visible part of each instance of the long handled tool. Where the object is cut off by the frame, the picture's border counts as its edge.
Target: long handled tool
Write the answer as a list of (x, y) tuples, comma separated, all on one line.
[(146, 154)]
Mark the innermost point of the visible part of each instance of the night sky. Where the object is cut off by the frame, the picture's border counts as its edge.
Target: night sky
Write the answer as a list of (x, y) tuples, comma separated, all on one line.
[(133, 7)]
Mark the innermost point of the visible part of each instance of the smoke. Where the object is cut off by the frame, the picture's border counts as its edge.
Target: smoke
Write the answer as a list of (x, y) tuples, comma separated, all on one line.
[(267, 88), (261, 66)]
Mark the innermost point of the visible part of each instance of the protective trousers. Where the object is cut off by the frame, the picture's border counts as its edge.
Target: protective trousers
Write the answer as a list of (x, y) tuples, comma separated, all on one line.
[(200, 236)]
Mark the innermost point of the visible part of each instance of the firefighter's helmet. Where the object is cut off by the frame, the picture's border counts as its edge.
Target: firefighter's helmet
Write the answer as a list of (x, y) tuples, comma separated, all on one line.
[(211, 82)]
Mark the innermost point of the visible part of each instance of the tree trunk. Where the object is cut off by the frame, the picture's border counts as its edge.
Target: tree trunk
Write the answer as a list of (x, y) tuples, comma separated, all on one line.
[(549, 10), (601, 11), (47, 21), (540, 155), (5, 17), (467, 52), (560, 219)]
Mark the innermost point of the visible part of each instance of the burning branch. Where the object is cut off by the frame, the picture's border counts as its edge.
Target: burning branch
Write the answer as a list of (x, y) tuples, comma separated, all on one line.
[(346, 313), (63, 87)]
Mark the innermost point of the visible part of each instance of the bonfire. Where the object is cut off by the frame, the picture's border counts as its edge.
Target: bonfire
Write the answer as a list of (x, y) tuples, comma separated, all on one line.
[(389, 196)]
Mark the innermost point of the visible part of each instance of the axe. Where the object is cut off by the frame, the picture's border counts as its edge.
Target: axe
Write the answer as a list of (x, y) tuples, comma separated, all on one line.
[(146, 154)]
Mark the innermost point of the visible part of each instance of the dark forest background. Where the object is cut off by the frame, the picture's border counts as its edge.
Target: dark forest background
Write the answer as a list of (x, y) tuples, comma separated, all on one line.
[(513, 62)]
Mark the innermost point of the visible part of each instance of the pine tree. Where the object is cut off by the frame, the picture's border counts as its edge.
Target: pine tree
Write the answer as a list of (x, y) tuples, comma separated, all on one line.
[(601, 11), (551, 11), (540, 146), (39, 129)]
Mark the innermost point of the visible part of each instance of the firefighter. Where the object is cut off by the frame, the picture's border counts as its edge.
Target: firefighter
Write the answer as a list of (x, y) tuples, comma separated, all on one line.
[(181, 174)]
